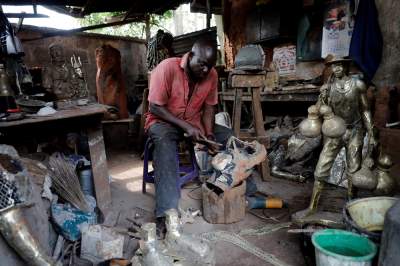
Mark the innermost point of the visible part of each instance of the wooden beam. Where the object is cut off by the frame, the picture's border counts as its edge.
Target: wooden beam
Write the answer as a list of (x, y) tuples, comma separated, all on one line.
[(25, 15), (70, 32)]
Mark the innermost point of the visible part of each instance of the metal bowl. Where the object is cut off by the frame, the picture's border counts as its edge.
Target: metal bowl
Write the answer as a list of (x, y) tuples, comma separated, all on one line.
[(366, 216), (30, 105)]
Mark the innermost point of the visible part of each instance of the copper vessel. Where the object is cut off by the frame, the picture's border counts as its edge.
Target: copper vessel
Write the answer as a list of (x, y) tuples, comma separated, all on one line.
[(386, 183), (311, 126), (365, 178), (333, 126)]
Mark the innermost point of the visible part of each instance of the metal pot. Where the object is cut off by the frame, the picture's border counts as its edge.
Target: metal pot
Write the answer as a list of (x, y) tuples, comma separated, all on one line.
[(366, 216), (30, 105), (365, 178), (333, 126), (385, 183), (311, 127)]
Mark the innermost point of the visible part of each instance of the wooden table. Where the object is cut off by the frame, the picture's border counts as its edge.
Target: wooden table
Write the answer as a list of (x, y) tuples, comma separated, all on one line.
[(82, 118)]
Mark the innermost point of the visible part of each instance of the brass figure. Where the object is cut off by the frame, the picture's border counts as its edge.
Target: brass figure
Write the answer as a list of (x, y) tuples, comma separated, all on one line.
[(345, 127), (64, 80)]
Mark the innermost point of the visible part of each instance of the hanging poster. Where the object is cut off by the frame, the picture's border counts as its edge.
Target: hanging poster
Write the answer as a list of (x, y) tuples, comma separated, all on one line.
[(285, 60), (337, 28)]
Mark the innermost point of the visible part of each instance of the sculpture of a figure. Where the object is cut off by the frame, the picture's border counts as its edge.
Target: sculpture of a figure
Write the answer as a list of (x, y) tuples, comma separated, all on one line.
[(60, 78), (344, 106), (110, 84)]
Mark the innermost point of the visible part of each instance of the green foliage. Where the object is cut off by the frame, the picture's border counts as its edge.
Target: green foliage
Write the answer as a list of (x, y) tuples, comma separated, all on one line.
[(136, 29)]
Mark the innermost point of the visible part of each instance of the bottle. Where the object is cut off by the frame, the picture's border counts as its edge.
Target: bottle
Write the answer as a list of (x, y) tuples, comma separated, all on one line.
[(311, 127), (333, 126)]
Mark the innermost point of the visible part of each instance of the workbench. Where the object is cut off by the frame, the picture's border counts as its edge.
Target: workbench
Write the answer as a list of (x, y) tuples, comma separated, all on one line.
[(85, 119)]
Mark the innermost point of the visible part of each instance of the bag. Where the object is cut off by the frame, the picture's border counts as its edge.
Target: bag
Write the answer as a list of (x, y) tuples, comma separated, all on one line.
[(236, 163)]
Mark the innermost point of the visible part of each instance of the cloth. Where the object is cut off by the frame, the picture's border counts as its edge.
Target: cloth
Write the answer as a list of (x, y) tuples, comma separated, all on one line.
[(352, 141), (366, 42), (169, 87), (166, 169)]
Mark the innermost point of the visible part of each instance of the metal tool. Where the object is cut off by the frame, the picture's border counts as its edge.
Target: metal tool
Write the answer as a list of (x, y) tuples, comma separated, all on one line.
[(204, 139)]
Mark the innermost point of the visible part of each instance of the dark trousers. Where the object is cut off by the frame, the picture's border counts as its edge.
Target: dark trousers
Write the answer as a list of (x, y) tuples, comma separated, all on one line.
[(166, 138)]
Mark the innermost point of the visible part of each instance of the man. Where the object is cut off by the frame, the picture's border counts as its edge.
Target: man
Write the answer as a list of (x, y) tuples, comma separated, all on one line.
[(347, 96), (182, 98)]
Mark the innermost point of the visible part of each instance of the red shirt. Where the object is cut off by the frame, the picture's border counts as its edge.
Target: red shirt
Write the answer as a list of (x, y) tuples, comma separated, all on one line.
[(169, 87)]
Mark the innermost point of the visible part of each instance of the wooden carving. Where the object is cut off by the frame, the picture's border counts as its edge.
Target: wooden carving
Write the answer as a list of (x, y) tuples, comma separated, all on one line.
[(110, 85)]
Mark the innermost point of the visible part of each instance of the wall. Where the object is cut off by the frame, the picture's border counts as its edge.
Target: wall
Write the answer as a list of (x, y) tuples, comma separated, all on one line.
[(133, 53), (389, 20)]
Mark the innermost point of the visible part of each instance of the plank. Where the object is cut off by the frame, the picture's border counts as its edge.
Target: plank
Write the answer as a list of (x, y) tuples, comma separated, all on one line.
[(246, 81), (73, 112), (99, 167)]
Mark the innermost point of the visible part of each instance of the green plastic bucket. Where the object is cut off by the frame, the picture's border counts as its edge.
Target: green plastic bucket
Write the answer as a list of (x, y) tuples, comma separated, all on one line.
[(342, 248)]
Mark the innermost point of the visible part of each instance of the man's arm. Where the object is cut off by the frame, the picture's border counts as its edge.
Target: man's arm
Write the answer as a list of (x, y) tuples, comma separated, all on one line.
[(166, 115), (208, 120), (365, 111)]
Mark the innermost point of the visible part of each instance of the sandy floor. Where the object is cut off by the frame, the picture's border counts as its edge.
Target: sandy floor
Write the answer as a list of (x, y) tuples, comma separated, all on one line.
[(126, 171)]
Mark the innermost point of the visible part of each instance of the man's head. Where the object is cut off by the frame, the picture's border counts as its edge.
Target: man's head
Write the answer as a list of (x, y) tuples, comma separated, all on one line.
[(339, 65), (339, 69), (202, 59), (56, 53)]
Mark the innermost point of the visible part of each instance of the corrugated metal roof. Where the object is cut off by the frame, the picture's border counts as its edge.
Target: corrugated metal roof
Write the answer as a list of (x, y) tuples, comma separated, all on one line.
[(183, 43), (85, 7)]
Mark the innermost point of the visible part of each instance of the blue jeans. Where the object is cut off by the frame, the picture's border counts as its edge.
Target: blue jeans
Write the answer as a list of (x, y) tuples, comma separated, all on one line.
[(166, 138)]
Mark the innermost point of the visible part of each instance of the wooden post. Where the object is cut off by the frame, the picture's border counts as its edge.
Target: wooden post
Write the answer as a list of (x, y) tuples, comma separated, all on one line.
[(145, 108), (260, 131), (255, 82), (237, 111)]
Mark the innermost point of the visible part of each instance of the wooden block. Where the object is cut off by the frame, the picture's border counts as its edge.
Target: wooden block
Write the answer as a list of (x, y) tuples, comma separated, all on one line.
[(229, 207), (247, 81)]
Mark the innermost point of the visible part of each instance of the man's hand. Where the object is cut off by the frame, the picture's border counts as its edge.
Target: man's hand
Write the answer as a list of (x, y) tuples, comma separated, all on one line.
[(213, 148), (193, 132)]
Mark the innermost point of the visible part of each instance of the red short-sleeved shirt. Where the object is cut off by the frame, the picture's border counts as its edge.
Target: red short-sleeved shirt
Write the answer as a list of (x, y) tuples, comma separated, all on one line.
[(169, 87)]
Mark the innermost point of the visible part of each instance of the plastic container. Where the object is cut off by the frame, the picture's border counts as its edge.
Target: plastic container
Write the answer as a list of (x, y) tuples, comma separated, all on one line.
[(86, 180), (342, 248)]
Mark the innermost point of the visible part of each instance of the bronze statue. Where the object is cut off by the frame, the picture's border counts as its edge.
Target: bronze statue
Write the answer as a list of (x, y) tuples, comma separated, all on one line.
[(62, 79), (344, 106)]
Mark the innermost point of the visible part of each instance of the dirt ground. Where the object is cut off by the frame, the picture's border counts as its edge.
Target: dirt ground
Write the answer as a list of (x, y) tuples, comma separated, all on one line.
[(279, 246)]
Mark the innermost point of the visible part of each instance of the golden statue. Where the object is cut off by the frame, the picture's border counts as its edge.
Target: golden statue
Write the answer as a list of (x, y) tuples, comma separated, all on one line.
[(344, 107)]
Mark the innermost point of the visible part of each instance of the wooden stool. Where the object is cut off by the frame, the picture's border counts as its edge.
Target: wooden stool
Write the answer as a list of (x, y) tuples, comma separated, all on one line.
[(240, 80)]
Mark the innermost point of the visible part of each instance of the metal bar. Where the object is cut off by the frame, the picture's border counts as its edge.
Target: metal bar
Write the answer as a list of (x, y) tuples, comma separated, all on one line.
[(208, 5)]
